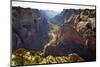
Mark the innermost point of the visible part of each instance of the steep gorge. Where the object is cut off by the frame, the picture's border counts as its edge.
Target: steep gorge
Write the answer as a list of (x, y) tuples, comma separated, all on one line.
[(74, 34)]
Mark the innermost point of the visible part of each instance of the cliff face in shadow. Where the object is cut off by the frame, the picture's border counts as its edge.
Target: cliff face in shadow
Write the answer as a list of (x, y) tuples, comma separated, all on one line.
[(29, 29), (76, 34), (71, 31)]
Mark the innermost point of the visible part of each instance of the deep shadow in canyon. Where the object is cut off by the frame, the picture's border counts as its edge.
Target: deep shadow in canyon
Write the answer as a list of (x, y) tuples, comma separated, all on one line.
[(70, 31)]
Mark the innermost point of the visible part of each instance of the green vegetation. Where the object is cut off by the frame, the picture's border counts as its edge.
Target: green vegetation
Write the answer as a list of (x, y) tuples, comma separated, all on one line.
[(53, 21), (26, 57)]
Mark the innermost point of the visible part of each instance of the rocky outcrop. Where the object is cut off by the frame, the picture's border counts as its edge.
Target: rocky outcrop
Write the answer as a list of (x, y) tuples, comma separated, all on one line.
[(25, 57), (86, 26), (72, 41), (29, 29)]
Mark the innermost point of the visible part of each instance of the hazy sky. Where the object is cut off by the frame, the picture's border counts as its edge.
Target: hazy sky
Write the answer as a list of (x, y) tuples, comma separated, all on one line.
[(45, 6)]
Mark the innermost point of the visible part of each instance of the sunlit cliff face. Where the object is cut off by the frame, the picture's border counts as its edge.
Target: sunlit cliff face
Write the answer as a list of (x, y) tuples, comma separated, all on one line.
[(85, 19)]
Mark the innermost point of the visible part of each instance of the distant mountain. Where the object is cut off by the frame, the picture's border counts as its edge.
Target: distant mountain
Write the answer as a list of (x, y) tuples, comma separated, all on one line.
[(58, 19), (65, 15), (49, 13)]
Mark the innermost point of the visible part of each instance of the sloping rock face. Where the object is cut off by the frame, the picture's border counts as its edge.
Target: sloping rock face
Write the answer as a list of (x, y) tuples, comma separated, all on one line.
[(29, 29), (65, 15), (70, 40)]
